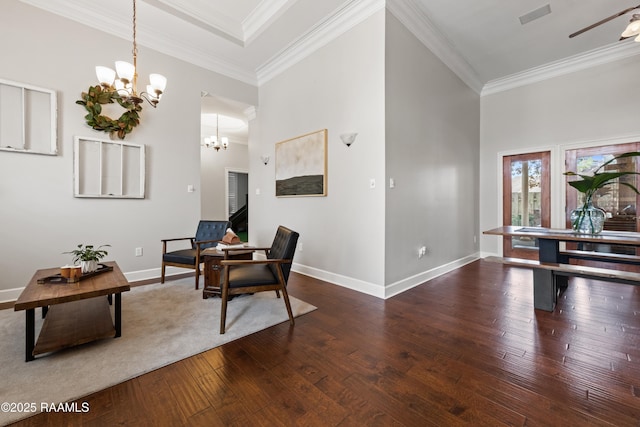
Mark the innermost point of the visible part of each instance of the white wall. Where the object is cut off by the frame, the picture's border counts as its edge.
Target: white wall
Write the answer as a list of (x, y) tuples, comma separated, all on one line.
[(340, 87), (590, 107), (432, 152), (39, 217), (213, 177)]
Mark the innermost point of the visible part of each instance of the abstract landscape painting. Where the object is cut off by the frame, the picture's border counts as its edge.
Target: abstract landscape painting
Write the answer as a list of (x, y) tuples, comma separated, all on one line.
[(301, 165)]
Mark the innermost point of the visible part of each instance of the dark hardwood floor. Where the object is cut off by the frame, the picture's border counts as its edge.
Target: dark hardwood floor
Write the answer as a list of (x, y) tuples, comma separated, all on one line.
[(466, 348)]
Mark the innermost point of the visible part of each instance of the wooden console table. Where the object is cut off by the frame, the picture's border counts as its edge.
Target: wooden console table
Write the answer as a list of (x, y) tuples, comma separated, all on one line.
[(74, 313)]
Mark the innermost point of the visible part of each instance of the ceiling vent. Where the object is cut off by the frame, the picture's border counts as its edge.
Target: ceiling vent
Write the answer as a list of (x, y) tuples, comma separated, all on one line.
[(533, 15)]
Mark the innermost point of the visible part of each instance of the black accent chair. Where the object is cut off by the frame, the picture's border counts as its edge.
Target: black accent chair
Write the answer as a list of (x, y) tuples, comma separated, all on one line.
[(251, 276), (208, 234)]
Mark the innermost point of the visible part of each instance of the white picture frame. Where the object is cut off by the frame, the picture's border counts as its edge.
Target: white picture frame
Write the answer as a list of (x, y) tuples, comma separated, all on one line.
[(108, 169), (28, 119)]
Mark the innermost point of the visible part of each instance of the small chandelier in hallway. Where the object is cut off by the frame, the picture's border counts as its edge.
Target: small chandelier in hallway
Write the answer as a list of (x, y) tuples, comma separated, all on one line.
[(214, 141)]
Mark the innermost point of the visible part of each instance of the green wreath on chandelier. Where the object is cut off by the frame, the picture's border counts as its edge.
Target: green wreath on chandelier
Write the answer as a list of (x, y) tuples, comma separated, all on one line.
[(98, 96)]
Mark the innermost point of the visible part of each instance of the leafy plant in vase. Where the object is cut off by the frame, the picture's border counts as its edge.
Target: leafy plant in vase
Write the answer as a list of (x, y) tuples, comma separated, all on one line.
[(88, 256), (589, 219)]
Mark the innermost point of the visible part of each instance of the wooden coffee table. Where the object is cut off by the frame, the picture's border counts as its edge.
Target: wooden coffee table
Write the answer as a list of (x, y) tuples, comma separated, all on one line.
[(74, 313)]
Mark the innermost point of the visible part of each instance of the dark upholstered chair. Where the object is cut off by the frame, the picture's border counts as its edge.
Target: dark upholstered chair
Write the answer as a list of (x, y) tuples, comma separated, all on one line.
[(208, 234), (251, 276)]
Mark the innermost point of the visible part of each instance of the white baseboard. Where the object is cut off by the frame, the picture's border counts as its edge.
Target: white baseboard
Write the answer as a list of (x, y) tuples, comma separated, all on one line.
[(413, 281), (10, 295), (152, 273), (485, 254), (377, 290), (340, 280)]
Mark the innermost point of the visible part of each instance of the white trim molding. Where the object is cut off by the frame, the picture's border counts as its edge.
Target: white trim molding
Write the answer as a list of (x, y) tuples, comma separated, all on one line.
[(419, 279), (358, 285), (413, 16), (610, 53), (381, 291), (337, 23)]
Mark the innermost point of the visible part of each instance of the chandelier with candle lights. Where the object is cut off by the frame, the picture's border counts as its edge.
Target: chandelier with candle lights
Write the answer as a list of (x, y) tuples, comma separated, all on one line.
[(123, 91)]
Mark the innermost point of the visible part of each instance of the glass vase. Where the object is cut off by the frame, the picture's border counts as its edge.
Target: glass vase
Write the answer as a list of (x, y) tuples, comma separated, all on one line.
[(588, 219)]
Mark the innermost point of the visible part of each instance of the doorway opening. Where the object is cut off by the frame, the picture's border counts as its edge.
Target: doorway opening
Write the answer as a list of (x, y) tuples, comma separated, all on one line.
[(237, 196), (224, 168)]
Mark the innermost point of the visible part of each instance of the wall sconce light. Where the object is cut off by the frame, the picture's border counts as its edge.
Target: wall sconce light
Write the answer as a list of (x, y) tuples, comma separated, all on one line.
[(264, 158), (348, 138)]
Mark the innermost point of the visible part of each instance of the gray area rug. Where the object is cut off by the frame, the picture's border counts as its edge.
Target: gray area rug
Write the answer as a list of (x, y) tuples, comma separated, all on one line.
[(161, 324)]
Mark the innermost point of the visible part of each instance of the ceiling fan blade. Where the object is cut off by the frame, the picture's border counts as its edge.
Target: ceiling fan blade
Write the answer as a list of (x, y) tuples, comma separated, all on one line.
[(585, 29)]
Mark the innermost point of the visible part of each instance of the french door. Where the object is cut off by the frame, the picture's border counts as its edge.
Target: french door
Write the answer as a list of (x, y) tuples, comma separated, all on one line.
[(526, 187), (618, 201)]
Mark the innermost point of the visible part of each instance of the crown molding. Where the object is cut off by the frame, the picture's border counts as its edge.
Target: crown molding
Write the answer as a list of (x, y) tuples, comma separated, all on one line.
[(610, 53), (413, 16), (341, 20), (200, 58), (104, 19), (262, 16), (408, 12), (218, 24)]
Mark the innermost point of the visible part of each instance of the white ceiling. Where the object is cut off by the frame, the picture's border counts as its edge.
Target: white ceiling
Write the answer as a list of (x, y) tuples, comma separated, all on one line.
[(483, 41), (232, 120)]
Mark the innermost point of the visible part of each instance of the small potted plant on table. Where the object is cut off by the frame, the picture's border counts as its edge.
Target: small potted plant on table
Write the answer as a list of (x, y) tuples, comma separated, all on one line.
[(88, 256)]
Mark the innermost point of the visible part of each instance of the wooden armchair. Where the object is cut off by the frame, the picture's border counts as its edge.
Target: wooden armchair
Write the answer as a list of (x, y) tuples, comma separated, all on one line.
[(208, 234), (251, 276)]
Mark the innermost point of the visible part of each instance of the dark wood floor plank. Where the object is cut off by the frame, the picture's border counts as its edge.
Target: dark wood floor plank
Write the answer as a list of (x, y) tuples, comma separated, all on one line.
[(466, 348), (187, 393), (361, 411)]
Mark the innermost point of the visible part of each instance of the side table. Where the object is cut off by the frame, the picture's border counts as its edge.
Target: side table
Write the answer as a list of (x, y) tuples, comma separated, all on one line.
[(211, 258)]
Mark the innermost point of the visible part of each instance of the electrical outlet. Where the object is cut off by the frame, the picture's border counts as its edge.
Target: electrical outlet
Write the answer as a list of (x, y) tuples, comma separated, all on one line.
[(300, 247), (138, 251)]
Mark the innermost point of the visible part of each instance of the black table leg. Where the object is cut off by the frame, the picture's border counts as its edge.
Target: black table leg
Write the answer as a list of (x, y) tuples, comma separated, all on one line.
[(544, 289), (30, 334), (118, 314), (550, 252)]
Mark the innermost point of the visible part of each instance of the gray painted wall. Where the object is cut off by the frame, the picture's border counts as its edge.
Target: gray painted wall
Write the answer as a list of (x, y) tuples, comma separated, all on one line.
[(39, 217), (432, 152), (340, 87)]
